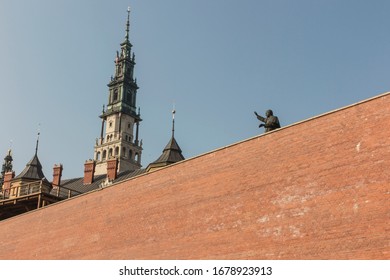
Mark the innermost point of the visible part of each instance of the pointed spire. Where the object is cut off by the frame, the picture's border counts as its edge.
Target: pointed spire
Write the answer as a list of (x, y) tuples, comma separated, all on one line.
[(127, 25), (36, 147), (173, 121)]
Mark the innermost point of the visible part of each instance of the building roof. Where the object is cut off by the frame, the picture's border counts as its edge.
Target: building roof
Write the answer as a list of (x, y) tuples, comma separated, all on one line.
[(77, 184), (171, 154), (32, 171)]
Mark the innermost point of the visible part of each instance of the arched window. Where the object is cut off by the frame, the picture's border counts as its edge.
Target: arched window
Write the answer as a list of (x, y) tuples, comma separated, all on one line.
[(98, 156), (130, 154), (133, 100), (115, 96), (136, 158), (104, 155), (124, 152), (110, 153), (129, 97), (116, 151)]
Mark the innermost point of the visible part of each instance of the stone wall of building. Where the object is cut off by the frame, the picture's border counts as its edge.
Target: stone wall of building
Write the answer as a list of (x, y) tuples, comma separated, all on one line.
[(318, 189)]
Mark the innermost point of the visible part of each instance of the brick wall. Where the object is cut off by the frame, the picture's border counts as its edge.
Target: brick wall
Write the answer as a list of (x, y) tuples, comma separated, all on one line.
[(318, 189)]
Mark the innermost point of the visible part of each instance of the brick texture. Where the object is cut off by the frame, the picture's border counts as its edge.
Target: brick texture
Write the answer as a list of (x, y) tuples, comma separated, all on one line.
[(318, 189)]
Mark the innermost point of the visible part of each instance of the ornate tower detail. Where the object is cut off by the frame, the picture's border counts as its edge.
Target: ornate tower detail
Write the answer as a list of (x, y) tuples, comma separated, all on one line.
[(7, 166), (120, 120)]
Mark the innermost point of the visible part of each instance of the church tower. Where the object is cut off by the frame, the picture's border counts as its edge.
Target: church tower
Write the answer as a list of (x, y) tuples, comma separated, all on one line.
[(120, 119)]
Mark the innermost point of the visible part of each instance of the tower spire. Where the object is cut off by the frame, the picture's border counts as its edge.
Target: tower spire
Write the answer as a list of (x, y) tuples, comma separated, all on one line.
[(120, 121), (127, 25)]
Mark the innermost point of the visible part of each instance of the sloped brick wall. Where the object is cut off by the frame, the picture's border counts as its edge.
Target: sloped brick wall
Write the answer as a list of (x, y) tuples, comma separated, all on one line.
[(315, 190)]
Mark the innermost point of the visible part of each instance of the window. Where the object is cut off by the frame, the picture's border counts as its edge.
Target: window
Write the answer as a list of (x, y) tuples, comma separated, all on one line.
[(130, 154), (124, 151), (115, 96), (110, 153), (129, 96), (116, 151), (104, 154), (98, 156)]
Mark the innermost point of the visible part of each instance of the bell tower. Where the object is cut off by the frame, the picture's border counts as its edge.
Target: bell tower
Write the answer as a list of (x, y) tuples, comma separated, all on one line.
[(120, 119)]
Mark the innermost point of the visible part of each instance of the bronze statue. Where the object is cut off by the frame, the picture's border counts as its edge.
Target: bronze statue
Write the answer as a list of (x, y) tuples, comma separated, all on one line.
[(270, 122)]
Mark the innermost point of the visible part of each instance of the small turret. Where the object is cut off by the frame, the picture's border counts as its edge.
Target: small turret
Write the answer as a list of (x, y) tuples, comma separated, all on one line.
[(171, 153), (7, 166)]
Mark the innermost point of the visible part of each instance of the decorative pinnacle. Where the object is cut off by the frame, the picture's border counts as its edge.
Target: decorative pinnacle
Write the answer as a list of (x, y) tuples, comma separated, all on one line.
[(173, 120), (38, 133), (127, 24)]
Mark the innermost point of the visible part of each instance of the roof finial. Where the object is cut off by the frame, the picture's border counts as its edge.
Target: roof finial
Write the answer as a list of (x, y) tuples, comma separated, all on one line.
[(173, 120), (39, 132), (127, 24)]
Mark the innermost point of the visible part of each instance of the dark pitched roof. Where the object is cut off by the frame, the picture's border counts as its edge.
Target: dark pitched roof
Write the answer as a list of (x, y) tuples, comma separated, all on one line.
[(77, 184), (32, 171), (171, 154)]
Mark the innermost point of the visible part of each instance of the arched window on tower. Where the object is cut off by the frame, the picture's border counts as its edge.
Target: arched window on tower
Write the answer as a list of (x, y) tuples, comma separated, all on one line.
[(110, 153), (133, 100), (104, 155), (129, 96), (116, 151), (130, 154), (124, 152), (115, 96), (98, 156), (136, 158)]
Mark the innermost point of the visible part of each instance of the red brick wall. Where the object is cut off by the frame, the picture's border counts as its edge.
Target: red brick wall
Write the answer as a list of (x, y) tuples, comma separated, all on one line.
[(315, 190)]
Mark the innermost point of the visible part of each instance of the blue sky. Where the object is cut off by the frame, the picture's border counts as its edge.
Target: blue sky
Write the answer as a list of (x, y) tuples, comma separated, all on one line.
[(217, 60)]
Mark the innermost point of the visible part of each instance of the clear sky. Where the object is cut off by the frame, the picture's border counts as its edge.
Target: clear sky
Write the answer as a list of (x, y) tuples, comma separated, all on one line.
[(217, 60)]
